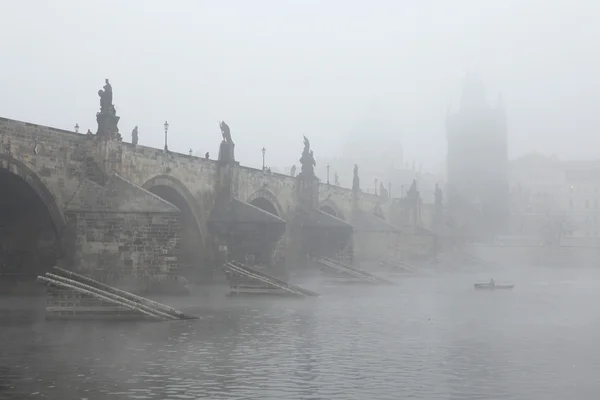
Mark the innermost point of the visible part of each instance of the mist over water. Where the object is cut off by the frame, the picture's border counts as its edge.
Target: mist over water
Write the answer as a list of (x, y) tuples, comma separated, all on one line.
[(502, 164), (432, 336)]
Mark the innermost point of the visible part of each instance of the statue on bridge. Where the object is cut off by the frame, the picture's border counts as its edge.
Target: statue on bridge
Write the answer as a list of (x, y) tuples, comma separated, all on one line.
[(106, 98), (226, 153), (307, 160), (413, 192), (355, 180), (107, 117), (134, 136), (383, 192)]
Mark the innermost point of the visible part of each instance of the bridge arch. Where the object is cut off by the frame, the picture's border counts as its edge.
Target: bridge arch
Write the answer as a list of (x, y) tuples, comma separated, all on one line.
[(267, 201), (192, 234), (31, 223), (331, 208)]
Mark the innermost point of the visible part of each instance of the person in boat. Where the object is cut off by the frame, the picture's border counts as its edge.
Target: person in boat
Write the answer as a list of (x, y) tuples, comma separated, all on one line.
[(492, 282)]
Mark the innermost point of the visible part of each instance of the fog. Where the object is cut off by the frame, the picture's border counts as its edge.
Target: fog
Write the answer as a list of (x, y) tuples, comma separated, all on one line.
[(275, 70), (431, 336), (482, 287)]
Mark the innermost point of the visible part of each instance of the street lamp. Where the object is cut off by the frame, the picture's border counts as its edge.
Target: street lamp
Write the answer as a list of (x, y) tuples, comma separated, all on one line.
[(76, 128), (264, 151), (166, 129), (328, 174)]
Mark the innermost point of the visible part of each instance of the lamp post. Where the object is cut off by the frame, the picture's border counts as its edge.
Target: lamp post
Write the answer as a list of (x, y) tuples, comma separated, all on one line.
[(264, 151), (328, 173), (166, 130), (76, 128)]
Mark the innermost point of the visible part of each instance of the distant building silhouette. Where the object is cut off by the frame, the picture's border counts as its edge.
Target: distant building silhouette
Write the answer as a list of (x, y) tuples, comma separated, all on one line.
[(477, 161)]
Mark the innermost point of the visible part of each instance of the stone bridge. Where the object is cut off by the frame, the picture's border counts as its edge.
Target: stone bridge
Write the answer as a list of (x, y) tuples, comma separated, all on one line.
[(112, 209)]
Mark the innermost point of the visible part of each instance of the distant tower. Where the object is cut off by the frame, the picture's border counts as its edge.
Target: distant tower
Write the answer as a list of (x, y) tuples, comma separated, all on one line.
[(477, 160)]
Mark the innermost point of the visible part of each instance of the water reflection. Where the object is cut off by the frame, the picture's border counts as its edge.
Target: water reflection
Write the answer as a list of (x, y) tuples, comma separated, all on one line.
[(430, 337)]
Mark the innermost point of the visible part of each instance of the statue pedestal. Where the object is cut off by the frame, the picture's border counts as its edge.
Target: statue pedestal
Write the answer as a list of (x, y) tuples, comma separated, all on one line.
[(226, 152), (107, 126), (227, 181), (355, 198), (308, 191)]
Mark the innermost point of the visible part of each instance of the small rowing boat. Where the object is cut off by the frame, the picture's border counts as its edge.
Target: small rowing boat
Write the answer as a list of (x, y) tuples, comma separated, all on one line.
[(492, 287)]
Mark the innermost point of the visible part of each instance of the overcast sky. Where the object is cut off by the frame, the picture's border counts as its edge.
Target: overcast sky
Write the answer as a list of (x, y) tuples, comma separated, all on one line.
[(275, 70)]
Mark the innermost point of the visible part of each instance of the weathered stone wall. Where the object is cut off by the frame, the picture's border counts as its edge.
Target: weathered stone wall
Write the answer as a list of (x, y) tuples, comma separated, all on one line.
[(193, 178), (58, 158), (140, 163), (372, 246), (110, 246), (120, 230), (62, 156), (414, 246), (63, 160), (341, 200), (372, 203), (279, 189)]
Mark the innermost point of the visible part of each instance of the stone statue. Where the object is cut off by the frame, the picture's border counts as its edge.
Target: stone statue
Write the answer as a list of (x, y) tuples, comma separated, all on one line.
[(336, 179), (307, 160), (355, 179), (413, 192), (106, 98), (226, 153), (108, 91), (413, 201), (107, 117), (207, 155), (383, 192), (293, 170), (134, 136), (225, 132)]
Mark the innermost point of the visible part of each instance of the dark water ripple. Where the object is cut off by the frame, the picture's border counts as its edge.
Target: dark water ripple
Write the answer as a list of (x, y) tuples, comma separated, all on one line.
[(428, 338)]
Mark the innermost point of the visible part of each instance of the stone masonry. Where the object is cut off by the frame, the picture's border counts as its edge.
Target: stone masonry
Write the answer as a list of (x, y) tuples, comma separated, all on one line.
[(122, 230), (113, 232)]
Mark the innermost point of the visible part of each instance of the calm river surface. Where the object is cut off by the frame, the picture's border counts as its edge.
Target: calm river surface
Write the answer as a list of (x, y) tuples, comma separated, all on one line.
[(429, 337)]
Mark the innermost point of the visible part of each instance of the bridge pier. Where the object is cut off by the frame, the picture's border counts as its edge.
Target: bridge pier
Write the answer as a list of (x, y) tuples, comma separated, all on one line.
[(193, 261), (251, 235), (314, 233), (123, 235)]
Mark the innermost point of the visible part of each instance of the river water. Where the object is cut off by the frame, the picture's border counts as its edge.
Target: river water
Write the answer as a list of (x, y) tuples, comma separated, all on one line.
[(430, 337)]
